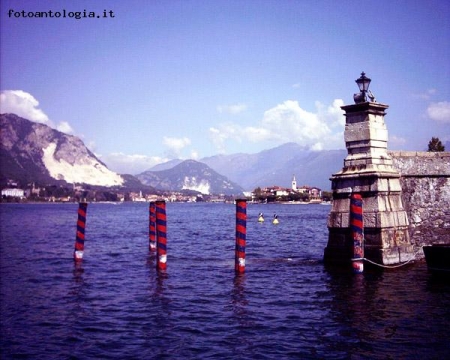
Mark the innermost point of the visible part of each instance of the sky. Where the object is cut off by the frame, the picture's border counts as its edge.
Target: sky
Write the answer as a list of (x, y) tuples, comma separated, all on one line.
[(142, 82)]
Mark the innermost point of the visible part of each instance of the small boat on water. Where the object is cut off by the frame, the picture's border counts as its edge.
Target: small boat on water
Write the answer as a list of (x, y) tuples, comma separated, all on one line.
[(437, 257)]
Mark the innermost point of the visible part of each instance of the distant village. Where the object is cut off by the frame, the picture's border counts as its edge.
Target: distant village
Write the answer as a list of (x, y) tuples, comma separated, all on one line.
[(77, 193)]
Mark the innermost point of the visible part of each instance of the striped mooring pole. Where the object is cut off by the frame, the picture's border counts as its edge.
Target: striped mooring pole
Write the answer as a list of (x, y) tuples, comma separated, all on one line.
[(161, 235), (152, 227), (357, 232), (241, 233), (81, 226)]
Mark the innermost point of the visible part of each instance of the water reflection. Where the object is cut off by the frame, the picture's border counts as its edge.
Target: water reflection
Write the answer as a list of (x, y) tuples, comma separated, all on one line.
[(158, 310), (239, 301), (77, 309), (381, 312), (78, 271), (157, 278), (151, 260)]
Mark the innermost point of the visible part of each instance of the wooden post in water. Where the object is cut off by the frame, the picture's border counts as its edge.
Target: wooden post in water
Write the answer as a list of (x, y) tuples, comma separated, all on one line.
[(357, 233), (241, 233), (161, 235), (152, 227), (81, 226)]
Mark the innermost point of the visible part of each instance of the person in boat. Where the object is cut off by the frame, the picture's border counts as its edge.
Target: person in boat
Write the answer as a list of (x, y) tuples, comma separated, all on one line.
[(261, 217), (275, 219)]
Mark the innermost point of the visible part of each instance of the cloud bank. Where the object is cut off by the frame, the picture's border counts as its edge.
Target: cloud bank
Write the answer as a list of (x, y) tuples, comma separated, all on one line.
[(286, 122), (130, 164)]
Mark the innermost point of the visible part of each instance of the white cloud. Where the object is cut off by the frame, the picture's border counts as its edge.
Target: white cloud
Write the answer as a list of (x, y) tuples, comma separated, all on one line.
[(232, 109), (195, 155), (317, 146), (64, 127), (130, 164), (22, 104), (334, 114), (439, 111), (288, 122), (219, 137), (255, 134), (25, 105), (175, 145)]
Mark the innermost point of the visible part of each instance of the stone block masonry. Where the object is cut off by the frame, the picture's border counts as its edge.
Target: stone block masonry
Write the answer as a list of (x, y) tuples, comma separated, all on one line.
[(368, 171), (425, 182), (405, 196)]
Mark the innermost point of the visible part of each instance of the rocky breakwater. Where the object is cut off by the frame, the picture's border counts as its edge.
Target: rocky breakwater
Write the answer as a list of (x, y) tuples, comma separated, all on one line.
[(425, 182)]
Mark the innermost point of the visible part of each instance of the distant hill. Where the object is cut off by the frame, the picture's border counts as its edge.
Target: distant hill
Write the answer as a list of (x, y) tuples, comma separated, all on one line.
[(190, 175)]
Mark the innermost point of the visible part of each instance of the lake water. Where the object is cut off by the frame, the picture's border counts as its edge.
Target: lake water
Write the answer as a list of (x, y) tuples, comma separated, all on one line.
[(115, 304)]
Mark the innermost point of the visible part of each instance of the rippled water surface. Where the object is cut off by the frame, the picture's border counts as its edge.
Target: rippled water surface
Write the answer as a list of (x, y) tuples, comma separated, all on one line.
[(287, 305)]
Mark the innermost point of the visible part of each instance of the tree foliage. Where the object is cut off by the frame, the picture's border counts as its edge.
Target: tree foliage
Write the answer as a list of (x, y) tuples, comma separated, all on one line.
[(435, 145)]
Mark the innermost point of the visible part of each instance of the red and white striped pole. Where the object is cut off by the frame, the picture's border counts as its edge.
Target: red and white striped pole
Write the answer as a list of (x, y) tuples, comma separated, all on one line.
[(161, 235), (152, 227), (241, 234), (81, 226), (357, 233)]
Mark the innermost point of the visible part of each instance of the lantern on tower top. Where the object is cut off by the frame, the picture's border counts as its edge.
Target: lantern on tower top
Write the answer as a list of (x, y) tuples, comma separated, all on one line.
[(363, 83)]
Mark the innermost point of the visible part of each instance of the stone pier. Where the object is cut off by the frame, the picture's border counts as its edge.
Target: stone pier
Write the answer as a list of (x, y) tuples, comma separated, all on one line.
[(368, 170)]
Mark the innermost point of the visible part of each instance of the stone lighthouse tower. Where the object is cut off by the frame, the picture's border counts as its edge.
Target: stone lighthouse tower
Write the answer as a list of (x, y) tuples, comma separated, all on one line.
[(368, 171)]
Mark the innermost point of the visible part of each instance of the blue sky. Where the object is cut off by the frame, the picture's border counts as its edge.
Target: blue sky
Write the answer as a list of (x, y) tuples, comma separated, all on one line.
[(190, 79)]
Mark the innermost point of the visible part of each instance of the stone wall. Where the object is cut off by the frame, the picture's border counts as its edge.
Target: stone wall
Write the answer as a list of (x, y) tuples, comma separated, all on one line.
[(425, 182)]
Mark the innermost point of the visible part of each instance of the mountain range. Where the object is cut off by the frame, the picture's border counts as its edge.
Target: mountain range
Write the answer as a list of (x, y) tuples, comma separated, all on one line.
[(33, 152), (278, 165)]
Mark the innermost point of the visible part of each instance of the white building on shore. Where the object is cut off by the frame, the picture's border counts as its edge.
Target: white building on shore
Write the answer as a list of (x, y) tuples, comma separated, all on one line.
[(13, 193)]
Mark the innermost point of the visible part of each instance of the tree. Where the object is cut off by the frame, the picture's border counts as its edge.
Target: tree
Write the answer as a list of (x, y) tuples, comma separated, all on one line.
[(327, 195), (259, 195), (435, 145)]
